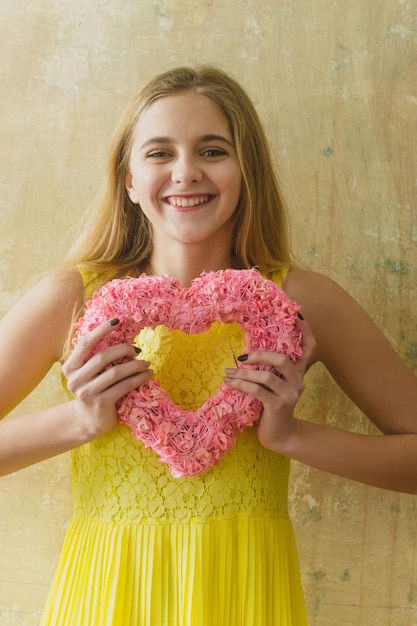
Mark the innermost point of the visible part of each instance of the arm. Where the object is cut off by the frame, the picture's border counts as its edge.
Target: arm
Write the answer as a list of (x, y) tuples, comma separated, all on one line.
[(364, 365), (32, 336)]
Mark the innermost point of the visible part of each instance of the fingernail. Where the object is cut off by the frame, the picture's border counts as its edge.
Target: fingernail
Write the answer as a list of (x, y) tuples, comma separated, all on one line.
[(300, 317), (243, 357), (137, 349), (114, 321)]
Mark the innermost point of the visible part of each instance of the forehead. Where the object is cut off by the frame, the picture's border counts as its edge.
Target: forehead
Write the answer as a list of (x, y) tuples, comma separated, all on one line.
[(185, 113)]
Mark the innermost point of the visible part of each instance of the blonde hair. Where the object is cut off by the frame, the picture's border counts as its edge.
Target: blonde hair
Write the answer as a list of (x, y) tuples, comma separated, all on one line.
[(116, 240)]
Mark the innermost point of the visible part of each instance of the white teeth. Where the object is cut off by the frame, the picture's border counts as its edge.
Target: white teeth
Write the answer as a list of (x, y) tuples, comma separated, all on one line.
[(187, 202)]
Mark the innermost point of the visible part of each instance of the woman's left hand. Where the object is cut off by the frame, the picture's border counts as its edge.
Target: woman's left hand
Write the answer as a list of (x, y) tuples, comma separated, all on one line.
[(279, 390)]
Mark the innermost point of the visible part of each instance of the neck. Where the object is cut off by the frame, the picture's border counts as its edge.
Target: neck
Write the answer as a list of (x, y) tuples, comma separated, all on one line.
[(186, 262)]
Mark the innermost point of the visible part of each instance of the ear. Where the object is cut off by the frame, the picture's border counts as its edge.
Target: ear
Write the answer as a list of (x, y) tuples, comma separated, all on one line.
[(130, 188)]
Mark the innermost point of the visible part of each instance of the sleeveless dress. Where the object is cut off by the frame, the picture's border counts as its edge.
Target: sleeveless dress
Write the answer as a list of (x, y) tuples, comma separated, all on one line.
[(146, 549)]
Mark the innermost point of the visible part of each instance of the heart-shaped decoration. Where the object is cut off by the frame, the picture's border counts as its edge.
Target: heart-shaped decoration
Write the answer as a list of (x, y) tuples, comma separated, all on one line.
[(192, 441)]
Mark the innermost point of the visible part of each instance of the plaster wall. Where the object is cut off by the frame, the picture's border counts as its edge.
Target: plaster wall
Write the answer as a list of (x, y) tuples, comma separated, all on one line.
[(335, 83)]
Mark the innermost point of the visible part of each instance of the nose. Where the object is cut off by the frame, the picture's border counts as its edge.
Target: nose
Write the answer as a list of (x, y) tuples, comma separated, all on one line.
[(186, 169)]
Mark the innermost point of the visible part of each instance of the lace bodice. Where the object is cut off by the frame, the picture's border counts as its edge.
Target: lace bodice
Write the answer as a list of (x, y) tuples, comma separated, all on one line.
[(116, 478)]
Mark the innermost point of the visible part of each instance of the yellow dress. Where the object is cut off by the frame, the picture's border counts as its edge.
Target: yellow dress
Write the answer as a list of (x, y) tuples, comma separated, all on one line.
[(146, 549)]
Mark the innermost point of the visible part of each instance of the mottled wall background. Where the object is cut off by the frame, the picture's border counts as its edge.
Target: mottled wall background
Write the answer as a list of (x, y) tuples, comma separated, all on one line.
[(336, 85)]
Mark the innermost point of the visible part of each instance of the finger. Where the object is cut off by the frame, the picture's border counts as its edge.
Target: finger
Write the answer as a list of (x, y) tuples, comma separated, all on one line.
[(124, 386), (264, 357), (265, 393), (78, 375), (246, 380), (104, 361), (281, 364), (86, 343), (118, 379), (120, 375), (82, 370), (108, 356), (309, 346)]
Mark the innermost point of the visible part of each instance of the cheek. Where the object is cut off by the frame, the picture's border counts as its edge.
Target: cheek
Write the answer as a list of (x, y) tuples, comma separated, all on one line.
[(234, 185), (148, 187), (227, 177)]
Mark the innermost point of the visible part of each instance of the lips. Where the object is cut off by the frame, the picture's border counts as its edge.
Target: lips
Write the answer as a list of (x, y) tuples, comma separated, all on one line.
[(187, 202)]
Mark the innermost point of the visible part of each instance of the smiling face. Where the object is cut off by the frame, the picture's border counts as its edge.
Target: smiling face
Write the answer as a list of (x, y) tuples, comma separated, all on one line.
[(184, 172)]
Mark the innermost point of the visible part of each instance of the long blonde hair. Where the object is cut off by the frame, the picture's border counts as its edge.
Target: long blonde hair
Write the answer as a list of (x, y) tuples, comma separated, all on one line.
[(116, 240)]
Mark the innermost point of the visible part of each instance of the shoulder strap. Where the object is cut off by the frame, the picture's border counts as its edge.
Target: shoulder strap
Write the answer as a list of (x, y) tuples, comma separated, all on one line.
[(279, 277), (91, 281)]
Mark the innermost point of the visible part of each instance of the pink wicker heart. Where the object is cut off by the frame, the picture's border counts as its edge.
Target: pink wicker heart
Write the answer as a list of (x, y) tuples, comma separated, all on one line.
[(192, 441)]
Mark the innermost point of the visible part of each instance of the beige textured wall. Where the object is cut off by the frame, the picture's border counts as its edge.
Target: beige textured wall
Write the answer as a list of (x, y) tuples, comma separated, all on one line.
[(336, 84)]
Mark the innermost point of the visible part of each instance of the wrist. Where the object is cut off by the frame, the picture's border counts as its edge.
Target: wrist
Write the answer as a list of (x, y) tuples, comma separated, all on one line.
[(89, 424), (85, 430), (278, 437)]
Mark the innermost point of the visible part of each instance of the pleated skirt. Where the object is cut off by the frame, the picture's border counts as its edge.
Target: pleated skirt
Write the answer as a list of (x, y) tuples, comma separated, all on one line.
[(229, 572)]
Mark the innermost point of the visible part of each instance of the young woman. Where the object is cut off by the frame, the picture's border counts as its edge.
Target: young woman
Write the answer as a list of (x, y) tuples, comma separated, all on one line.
[(191, 189)]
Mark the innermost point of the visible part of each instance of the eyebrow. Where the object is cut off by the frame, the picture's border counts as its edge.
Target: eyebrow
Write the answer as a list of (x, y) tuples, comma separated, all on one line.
[(202, 139)]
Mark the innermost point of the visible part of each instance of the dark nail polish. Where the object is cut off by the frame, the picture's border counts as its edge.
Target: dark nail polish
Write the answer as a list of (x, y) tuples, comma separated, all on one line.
[(300, 317), (243, 357), (114, 321), (137, 349)]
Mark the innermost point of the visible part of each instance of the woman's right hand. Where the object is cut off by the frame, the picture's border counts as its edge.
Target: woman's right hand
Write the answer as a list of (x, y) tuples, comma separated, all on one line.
[(96, 387)]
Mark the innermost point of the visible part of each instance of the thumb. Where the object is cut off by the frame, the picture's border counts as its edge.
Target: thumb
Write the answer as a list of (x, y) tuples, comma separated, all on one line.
[(309, 345)]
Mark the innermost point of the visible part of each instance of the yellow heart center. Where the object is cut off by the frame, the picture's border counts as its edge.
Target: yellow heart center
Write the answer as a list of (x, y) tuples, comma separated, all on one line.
[(190, 368)]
